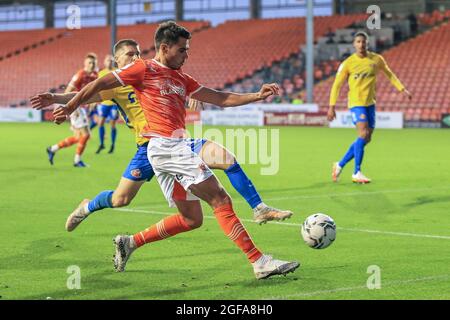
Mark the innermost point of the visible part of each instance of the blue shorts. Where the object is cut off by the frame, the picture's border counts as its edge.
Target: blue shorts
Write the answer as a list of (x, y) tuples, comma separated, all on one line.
[(364, 114), (140, 169), (110, 112), (93, 113)]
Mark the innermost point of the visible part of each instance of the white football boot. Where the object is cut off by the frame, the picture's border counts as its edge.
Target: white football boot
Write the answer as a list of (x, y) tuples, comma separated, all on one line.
[(336, 172), (124, 248), (263, 213), (266, 266), (77, 216), (360, 178)]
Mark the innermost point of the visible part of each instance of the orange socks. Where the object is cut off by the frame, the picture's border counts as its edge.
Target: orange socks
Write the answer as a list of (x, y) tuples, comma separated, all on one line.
[(67, 142), (227, 219), (82, 144), (232, 227), (166, 228)]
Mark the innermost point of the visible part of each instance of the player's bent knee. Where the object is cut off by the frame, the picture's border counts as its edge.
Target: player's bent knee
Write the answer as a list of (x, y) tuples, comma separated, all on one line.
[(230, 160), (120, 201), (365, 135), (220, 199), (194, 223)]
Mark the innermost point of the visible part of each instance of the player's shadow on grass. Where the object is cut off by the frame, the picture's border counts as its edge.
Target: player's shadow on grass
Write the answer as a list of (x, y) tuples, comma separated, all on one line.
[(423, 200), (50, 255), (38, 256), (310, 187), (215, 289), (104, 284)]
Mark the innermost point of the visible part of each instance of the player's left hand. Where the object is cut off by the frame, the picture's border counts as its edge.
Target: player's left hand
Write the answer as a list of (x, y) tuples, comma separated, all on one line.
[(267, 90), (42, 100), (60, 114), (407, 94)]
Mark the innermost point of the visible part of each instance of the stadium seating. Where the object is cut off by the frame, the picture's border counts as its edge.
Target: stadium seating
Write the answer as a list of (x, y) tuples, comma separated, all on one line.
[(434, 18), (52, 65), (423, 65), (17, 42), (236, 49)]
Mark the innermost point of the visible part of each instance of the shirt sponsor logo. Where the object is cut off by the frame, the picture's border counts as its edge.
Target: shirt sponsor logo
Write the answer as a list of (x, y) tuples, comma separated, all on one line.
[(168, 88)]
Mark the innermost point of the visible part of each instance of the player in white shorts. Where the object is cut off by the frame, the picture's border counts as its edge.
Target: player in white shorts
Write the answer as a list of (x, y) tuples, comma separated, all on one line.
[(79, 124), (162, 89)]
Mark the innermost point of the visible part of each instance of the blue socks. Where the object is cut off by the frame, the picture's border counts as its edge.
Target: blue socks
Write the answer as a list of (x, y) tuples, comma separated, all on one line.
[(356, 151), (348, 156), (101, 133), (243, 185), (359, 153), (113, 136), (101, 201)]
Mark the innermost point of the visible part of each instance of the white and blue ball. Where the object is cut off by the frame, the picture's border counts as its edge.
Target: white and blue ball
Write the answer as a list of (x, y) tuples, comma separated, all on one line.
[(319, 231)]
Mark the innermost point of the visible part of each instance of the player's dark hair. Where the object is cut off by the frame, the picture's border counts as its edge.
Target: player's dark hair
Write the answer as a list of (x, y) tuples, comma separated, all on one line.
[(91, 55), (169, 32), (361, 34), (124, 42)]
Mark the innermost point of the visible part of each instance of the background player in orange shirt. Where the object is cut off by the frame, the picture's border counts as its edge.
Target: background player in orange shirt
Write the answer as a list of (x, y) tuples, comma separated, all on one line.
[(78, 120)]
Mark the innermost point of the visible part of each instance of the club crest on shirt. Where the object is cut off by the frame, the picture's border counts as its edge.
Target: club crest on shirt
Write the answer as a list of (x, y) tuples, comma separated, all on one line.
[(136, 173), (168, 87)]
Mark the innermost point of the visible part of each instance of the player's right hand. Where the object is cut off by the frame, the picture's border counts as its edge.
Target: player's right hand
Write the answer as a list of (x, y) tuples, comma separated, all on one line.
[(331, 115), (60, 114), (42, 100), (195, 105), (268, 90)]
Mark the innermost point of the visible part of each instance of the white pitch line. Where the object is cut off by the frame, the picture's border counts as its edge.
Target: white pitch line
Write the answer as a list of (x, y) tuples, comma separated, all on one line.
[(384, 284), (351, 194), (330, 195), (403, 234)]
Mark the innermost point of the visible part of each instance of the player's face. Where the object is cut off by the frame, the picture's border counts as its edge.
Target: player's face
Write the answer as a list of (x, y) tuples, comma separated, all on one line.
[(127, 55), (109, 62), (360, 44), (90, 64), (176, 54)]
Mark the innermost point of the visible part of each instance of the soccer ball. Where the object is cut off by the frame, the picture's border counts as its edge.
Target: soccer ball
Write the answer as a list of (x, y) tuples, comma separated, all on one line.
[(319, 231)]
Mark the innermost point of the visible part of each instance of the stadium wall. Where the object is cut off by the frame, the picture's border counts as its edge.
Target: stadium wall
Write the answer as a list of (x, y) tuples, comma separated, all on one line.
[(392, 6), (258, 115)]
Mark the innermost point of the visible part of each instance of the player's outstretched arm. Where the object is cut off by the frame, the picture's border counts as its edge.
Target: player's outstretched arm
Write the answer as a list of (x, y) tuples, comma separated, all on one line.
[(43, 100), (83, 97), (231, 99)]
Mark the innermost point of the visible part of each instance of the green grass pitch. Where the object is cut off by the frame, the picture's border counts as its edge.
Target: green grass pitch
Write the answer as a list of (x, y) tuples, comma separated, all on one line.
[(400, 222)]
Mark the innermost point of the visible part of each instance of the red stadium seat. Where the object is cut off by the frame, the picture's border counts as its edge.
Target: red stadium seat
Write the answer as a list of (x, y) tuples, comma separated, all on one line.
[(52, 64)]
